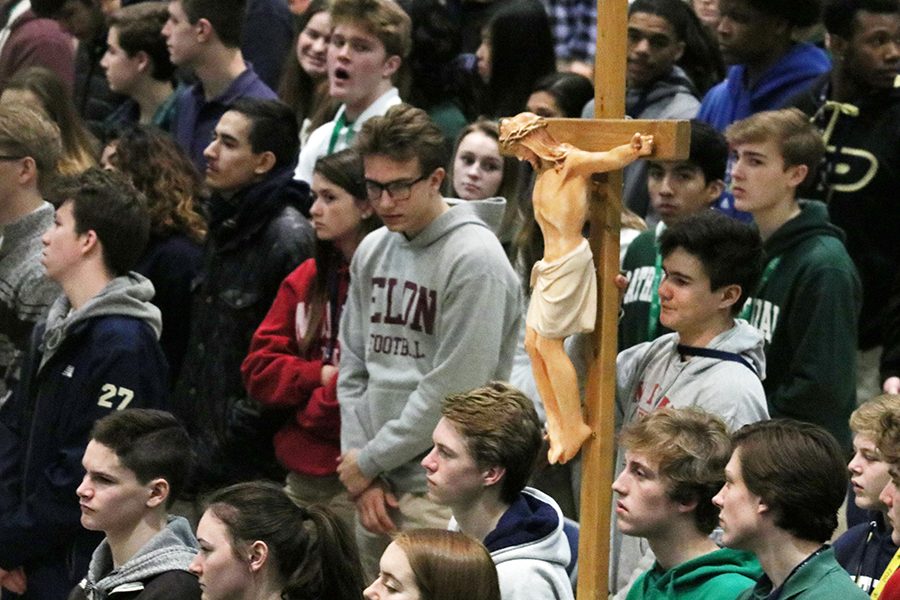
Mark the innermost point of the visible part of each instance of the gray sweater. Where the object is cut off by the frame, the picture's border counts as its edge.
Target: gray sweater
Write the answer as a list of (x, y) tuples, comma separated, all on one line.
[(168, 552), (25, 290)]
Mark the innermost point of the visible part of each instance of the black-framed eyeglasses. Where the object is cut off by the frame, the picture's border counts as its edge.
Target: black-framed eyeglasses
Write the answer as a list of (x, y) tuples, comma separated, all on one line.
[(10, 157), (397, 190)]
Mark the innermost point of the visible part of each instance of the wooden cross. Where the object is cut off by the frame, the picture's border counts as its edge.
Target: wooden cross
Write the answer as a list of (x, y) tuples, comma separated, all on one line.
[(671, 142)]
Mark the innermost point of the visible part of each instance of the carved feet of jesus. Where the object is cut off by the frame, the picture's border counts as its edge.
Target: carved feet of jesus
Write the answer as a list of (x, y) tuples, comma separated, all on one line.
[(565, 443)]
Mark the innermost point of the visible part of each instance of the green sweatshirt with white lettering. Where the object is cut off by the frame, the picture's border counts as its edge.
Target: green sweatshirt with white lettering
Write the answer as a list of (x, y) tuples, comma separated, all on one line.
[(807, 309)]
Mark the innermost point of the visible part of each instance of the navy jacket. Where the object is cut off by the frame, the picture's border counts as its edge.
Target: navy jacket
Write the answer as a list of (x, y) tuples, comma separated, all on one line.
[(865, 551), (99, 364)]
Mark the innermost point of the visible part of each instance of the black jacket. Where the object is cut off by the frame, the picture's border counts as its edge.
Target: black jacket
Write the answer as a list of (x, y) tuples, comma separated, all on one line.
[(255, 240), (93, 99), (859, 179)]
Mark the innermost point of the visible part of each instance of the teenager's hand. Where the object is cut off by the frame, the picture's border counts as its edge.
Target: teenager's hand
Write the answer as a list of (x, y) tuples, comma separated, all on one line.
[(621, 282), (14, 580), (372, 505), (350, 475), (891, 385), (328, 374)]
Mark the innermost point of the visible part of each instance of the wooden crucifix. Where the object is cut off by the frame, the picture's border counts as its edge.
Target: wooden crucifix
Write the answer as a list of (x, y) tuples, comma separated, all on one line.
[(671, 141)]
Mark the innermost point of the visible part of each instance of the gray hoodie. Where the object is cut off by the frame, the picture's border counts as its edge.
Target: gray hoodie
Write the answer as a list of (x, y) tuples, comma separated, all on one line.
[(424, 318), (128, 295), (654, 374), (172, 549), (671, 97)]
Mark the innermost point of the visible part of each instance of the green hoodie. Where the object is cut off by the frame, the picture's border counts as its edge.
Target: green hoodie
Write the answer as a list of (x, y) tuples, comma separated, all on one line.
[(719, 575), (807, 310)]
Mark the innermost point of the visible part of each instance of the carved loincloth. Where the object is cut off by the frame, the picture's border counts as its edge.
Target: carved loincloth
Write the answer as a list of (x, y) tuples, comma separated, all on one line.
[(564, 294)]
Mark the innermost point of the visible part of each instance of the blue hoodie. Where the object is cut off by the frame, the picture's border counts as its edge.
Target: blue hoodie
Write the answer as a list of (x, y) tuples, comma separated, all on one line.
[(731, 100)]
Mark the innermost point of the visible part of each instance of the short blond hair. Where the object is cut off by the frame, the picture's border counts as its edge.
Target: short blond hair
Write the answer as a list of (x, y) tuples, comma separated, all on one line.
[(889, 435), (798, 139), (866, 420), (501, 428)]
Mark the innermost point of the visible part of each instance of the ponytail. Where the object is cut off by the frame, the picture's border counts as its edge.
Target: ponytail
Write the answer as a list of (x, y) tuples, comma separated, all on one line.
[(313, 553)]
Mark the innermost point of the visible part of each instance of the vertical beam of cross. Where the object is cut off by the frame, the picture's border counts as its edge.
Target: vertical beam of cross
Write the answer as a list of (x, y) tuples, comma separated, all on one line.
[(605, 219)]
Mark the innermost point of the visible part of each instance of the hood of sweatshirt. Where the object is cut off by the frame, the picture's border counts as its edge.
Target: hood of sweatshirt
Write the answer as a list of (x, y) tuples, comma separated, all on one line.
[(657, 374), (681, 580), (531, 528), (802, 62), (662, 90), (812, 221), (172, 549), (128, 295), (742, 339), (486, 213)]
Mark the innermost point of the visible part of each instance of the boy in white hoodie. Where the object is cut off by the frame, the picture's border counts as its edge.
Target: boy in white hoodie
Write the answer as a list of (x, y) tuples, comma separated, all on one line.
[(711, 360), (485, 448)]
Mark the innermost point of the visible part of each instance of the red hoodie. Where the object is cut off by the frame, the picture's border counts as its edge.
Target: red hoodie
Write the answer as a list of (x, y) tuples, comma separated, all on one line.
[(277, 376)]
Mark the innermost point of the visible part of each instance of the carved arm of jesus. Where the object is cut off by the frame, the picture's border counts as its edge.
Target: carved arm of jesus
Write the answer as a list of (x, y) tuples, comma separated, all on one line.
[(583, 163)]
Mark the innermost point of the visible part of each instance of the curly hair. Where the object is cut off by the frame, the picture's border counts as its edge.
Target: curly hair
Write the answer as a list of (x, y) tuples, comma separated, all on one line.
[(161, 170)]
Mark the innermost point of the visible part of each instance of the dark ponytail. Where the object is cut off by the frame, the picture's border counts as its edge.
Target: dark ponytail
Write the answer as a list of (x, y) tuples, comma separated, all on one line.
[(313, 553), (331, 564)]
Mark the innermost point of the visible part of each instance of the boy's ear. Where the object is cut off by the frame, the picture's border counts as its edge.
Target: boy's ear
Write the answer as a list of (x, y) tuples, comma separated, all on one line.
[(391, 66), (796, 174), (680, 52), (204, 30), (493, 475), (714, 189), (730, 294), (143, 61), (437, 178), (836, 45), (265, 161), (89, 242), (688, 506), (159, 492)]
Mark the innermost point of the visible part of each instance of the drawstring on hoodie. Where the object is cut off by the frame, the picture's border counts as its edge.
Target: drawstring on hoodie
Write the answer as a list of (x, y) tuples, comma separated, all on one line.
[(837, 109)]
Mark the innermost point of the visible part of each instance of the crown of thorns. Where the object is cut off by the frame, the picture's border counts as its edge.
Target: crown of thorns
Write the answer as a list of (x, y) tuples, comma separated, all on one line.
[(515, 128)]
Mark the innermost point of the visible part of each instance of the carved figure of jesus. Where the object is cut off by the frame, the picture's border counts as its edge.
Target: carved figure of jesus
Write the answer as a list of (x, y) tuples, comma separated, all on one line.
[(564, 282)]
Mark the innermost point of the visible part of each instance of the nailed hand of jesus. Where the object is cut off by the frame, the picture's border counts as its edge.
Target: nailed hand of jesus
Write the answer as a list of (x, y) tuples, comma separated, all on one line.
[(642, 144)]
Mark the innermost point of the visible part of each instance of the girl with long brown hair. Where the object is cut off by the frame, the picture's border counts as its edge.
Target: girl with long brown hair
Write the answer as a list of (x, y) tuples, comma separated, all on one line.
[(294, 354)]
